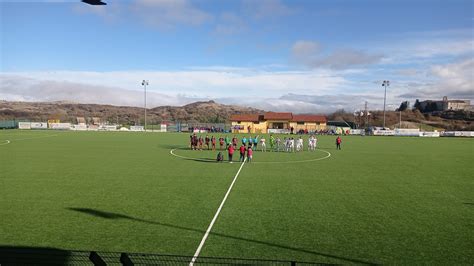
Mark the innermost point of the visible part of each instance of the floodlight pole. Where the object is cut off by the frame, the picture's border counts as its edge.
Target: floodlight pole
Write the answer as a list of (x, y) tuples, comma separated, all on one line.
[(385, 84), (145, 83)]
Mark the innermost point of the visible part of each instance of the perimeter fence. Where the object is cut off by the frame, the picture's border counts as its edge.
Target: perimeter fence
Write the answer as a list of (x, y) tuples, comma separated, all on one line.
[(49, 256)]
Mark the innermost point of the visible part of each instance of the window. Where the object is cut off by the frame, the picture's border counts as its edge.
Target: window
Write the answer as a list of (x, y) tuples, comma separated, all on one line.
[(238, 122), (300, 123), (277, 125)]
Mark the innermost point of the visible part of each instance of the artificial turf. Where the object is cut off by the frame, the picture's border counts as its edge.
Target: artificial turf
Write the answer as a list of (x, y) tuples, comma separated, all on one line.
[(389, 200)]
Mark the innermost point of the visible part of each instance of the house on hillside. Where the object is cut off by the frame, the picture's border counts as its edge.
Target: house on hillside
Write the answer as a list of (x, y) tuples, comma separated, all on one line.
[(276, 122), (444, 105)]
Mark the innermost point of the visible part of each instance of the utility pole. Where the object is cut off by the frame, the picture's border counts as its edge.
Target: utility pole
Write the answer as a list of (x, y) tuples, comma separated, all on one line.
[(400, 126), (366, 115), (385, 84), (145, 83)]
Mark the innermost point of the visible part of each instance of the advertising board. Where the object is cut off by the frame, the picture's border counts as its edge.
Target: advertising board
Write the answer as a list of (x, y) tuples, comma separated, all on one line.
[(39, 125), (60, 126), (24, 125), (383, 132), (137, 128), (429, 134)]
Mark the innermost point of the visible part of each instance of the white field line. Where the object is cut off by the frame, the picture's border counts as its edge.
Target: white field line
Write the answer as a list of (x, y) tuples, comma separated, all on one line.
[(198, 250), (40, 137), (328, 154), (6, 142), (189, 158)]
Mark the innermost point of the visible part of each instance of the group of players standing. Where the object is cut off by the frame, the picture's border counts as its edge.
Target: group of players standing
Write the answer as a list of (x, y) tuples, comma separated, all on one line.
[(289, 144), (209, 143)]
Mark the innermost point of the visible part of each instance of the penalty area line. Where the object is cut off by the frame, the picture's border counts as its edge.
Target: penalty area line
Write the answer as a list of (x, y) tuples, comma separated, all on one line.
[(204, 238)]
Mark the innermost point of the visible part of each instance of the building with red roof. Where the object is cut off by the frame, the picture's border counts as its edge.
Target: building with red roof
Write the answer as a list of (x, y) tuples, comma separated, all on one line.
[(277, 122)]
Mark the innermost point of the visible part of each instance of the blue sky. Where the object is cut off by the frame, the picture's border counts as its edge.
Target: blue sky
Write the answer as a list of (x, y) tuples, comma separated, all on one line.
[(301, 56)]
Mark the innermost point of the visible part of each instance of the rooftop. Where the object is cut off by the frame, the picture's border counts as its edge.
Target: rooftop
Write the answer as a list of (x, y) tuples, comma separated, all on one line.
[(246, 117), (277, 116), (309, 118)]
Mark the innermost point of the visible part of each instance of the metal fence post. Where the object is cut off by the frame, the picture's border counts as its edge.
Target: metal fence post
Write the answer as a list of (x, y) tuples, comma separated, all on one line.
[(125, 260), (96, 259)]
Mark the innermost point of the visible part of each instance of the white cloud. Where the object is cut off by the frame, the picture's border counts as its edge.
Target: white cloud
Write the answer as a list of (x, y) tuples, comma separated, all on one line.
[(303, 49), (177, 86), (443, 47), (161, 14), (310, 54), (455, 80), (408, 72), (346, 58), (169, 13), (426, 47), (319, 90), (16, 88)]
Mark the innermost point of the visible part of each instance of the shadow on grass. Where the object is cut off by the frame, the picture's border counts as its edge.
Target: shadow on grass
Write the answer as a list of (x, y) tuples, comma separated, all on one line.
[(112, 216), (170, 146), (21, 255), (468, 203)]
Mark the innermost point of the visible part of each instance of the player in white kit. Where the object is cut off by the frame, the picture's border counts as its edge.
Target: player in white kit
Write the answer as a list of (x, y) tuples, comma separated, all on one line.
[(263, 145)]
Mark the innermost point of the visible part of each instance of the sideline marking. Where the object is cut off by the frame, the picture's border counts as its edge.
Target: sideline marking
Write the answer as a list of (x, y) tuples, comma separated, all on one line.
[(172, 152), (198, 250)]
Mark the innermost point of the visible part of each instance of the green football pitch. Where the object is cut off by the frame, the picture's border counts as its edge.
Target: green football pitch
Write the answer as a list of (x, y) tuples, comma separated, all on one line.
[(388, 200)]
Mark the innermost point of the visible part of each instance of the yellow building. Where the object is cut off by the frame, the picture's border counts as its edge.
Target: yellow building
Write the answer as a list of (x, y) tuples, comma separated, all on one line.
[(248, 123), (308, 122), (273, 122)]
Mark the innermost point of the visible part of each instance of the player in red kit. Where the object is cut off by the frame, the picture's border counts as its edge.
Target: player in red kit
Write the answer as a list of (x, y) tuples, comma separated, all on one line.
[(338, 142), (242, 153), (213, 141), (230, 152)]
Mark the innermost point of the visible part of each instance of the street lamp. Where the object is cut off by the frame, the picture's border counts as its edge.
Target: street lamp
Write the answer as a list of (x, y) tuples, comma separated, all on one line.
[(144, 84), (385, 84)]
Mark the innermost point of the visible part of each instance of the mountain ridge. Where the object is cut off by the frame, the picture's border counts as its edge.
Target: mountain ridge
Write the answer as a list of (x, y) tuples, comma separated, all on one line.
[(196, 112)]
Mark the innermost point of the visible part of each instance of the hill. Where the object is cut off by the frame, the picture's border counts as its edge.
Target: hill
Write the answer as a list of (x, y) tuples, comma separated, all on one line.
[(211, 112), (198, 112), (409, 119)]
